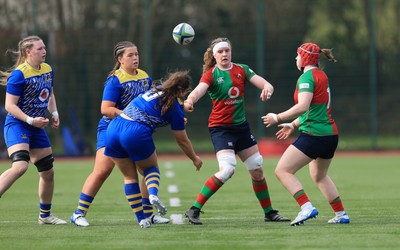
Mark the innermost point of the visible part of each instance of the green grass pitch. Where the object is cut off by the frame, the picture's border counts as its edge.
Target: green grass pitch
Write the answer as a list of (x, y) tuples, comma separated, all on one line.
[(232, 218)]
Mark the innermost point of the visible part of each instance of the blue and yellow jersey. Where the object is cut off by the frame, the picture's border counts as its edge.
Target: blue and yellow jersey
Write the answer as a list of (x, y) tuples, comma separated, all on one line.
[(122, 88), (146, 109), (33, 87)]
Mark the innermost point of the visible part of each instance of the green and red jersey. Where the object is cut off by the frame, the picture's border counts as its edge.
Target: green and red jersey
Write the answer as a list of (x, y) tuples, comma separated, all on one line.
[(226, 90), (317, 120)]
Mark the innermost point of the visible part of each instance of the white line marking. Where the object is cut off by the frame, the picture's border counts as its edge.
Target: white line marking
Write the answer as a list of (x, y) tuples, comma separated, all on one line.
[(175, 202), (172, 189), (177, 219), (169, 174), (168, 165)]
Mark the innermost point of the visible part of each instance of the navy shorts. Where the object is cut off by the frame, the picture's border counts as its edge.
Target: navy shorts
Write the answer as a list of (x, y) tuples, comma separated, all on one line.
[(317, 146), (237, 137)]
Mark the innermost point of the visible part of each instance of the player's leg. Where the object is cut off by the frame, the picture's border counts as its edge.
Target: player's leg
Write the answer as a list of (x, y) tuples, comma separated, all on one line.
[(227, 164), (253, 161), (291, 161), (19, 155), (132, 189), (151, 175), (43, 160), (319, 174), (148, 207), (102, 169), (18, 150)]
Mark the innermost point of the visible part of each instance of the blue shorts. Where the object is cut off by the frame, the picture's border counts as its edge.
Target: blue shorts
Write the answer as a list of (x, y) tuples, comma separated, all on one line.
[(317, 146), (237, 137), (129, 139), (16, 132), (101, 134)]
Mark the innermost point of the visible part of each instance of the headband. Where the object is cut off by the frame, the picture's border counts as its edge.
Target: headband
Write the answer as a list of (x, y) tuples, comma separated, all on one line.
[(309, 52), (219, 46)]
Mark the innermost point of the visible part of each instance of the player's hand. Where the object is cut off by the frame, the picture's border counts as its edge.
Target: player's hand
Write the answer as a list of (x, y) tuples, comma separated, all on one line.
[(270, 119), (286, 130), (40, 122), (198, 163), (188, 106), (266, 94), (56, 121)]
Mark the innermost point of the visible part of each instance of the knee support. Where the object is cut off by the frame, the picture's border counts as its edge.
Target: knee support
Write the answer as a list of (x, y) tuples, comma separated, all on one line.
[(254, 162), (227, 164), (45, 163), (20, 155)]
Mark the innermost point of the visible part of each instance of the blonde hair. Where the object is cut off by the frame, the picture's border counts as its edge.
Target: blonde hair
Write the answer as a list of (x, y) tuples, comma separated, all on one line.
[(23, 45), (208, 58), (119, 50), (176, 85)]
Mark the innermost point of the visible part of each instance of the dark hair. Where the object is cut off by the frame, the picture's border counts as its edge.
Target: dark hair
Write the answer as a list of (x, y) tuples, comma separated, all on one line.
[(119, 50), (176, 85)]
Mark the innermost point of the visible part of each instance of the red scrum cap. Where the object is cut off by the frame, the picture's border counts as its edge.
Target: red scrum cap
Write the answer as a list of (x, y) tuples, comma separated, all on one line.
[(309, 53)]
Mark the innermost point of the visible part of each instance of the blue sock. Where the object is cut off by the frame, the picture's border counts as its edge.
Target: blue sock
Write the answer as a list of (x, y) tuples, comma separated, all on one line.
[(147, 207), (44, 210), (134, 197), (152, 179), (84, 203)]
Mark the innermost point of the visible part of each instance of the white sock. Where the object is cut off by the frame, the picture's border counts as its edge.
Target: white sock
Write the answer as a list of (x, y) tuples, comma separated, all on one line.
[(306, 205)]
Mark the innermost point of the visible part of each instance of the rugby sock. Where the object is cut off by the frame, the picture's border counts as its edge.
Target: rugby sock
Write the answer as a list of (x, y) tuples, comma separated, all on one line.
[(261, 190), (301, 197), (337, 205), (44, 210), (134, 197), (84, 203), (152, 179), (210, 187), (147, 207)]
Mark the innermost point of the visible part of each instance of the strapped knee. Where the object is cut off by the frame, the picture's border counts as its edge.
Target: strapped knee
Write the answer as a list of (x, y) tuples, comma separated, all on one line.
[(45, 163), (227, 164), (20, 155), (254, 162)]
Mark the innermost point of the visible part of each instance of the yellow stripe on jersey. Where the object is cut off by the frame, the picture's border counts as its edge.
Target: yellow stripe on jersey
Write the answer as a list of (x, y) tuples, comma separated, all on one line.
[(123, 76), (28, 71)]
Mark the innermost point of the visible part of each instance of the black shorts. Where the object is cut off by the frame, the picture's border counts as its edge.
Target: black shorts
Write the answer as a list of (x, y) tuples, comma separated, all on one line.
[(237, 137), (317, 146)]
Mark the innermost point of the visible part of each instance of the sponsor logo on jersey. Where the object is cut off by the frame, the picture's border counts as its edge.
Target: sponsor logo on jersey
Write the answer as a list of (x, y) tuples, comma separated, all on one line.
[(44, 95), (233, 92), (304, 86)]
